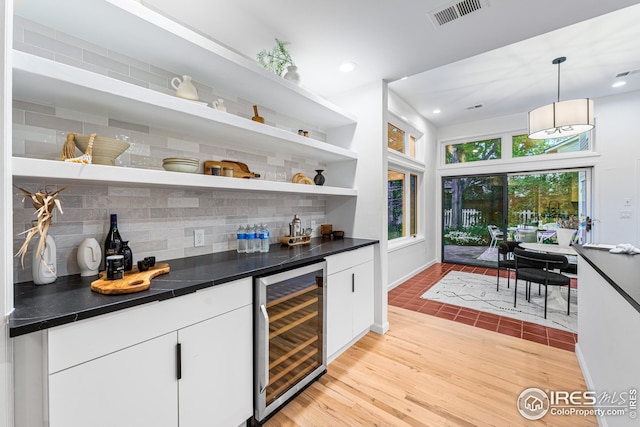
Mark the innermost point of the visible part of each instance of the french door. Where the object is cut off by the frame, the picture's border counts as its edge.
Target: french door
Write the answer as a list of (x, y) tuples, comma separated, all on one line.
[(480, 211)]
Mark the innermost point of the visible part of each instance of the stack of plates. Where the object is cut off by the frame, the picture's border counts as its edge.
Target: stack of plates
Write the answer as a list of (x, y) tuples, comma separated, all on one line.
[(180, 164)]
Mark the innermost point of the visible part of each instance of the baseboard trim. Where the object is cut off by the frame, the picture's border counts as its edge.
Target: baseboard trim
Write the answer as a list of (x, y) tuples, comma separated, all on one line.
[(602, 422)]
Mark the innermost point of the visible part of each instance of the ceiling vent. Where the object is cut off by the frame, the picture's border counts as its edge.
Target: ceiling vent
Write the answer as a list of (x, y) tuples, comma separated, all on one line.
[(454, 11), (626, 73), (474, 107)]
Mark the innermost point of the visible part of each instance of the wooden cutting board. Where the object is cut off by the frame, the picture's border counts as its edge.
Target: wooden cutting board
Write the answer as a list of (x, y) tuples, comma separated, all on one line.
[(240, 170), (133, 281)]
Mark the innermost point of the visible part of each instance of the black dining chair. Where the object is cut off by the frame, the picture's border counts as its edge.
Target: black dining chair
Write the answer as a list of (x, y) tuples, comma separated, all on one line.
[(506, 261), (537, 267)]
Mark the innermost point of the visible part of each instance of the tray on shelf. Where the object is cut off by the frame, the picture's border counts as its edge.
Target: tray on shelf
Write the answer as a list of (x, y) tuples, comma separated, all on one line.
[(133, 281)]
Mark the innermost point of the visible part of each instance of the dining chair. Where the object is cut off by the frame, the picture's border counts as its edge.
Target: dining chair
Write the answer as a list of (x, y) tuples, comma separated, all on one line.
[(506, 261), (537, 267), (496, 235)]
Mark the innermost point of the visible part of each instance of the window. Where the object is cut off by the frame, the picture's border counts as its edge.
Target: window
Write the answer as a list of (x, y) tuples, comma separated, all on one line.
[(487, 149), (402, 204), (401, 140), (523, 146)]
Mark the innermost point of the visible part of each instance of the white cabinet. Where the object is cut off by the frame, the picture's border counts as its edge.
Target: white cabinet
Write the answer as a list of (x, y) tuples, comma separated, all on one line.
[(135, 386), (187, 361), (349, 298)]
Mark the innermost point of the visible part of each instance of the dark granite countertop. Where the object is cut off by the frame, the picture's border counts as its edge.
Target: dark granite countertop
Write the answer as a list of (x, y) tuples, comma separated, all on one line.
[(622, 271), (70, 298)]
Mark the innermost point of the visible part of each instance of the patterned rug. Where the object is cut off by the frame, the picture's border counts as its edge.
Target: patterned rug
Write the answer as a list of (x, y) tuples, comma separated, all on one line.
[(478, 291)]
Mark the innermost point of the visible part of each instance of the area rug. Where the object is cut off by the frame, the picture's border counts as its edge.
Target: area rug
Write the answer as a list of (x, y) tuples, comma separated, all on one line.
[(478, 291)]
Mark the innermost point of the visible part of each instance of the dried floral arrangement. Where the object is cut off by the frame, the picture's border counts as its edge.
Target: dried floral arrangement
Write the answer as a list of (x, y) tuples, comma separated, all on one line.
[(571, 222), (44, 201), (277, 59)]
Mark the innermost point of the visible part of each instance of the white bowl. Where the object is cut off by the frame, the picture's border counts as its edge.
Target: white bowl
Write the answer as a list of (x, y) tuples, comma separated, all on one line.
[(180, 160), (105, 150), (180, 167)]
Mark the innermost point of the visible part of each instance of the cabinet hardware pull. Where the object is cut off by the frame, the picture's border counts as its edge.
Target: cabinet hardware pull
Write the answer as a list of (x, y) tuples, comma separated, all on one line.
[(353, 282), (265, 374), (179, 361)]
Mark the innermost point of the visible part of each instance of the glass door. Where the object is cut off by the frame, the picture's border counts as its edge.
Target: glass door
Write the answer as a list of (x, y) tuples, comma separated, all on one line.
[(473, 218), (480, 211)]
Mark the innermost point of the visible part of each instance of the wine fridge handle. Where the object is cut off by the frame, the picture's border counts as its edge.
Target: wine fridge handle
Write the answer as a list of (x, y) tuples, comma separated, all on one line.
[(265, 379)]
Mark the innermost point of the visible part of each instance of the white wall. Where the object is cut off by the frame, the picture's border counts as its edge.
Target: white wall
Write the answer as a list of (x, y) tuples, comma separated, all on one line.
[(369, 104), (409, 259), (617, 175)]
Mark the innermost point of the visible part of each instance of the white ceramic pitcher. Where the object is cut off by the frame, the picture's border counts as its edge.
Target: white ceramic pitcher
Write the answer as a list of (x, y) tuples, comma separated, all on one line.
[(184, 88)]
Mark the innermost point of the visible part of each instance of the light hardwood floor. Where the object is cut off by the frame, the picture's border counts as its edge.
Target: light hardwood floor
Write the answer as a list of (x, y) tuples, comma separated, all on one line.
[(428, 371)]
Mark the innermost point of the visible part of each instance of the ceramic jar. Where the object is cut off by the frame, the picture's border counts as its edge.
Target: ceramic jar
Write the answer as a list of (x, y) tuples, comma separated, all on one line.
[(184, 88), (219, 105), (319, 178), (292, 74)]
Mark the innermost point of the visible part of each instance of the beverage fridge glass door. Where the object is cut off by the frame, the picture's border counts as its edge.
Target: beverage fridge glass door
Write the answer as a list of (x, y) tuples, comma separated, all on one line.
[(290, 341)]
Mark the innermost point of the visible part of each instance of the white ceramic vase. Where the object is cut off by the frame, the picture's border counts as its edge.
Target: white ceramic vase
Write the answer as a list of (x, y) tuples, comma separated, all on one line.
[(184, 88), (219, 105), (564, 236), (89, 257), (292, 74), (43, 265)]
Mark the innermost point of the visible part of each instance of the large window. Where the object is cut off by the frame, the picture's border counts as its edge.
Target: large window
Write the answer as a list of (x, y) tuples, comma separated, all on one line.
[(523, 146), (402, 204), (474, 151)]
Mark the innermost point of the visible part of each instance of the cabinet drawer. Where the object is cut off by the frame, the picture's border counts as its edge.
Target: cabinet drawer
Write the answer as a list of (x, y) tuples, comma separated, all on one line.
[(339, 262), (88, 339)]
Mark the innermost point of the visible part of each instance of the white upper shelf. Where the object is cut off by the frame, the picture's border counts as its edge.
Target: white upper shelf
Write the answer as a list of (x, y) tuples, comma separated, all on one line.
[(130, 28), (44, 81), (29, 169)]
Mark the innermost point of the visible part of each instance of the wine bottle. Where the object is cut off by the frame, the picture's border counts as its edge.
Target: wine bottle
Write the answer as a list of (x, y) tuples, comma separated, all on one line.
[(113, 242)]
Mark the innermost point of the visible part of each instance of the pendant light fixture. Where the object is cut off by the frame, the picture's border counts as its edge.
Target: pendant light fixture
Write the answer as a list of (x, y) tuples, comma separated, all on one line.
[(561, 119)]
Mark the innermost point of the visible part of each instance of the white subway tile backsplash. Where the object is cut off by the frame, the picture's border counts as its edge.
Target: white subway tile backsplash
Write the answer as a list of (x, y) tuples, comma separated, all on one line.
[(51, 122), (51, 44), (183, 202), (128, 191)]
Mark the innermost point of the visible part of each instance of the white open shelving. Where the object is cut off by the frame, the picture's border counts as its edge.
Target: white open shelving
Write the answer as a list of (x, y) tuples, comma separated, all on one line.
[(29, 169), (128, 27)]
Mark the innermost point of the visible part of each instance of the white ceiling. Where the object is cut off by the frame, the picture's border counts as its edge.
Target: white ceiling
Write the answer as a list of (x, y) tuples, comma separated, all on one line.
[(499, 56)]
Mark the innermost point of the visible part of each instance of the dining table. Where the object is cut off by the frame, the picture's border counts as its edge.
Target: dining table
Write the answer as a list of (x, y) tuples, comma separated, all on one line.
[(555, 299)]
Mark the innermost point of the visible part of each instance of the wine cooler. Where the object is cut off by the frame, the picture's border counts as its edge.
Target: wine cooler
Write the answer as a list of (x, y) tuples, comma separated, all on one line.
[(289, 336)]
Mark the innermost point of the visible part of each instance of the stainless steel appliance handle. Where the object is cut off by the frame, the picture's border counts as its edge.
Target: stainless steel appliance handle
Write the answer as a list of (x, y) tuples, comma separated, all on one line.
[(265, 378)]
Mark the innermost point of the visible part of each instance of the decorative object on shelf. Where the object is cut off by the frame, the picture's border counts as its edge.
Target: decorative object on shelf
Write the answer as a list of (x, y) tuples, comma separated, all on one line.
[(228, 172), (69, 150), (43, 266), (319, 178), (238, 169), (277, 59), (44, 201), (215, 170), (338, 234), (561, 119), (301, 178), (219, 105), (256, 117), (105, 151), (185, 88), (292, 74), (326, 230), (300, 132), (133, 281), (181, 164), (89, 257)]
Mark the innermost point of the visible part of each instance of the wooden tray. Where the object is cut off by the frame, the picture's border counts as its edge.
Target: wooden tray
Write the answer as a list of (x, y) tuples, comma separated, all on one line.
[(297, 240), (240, 170), (133, 281)]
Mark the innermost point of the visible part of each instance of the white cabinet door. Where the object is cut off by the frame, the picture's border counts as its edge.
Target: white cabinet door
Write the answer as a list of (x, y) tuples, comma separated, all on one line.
[(339, 310), (133, 387), (217, 370), (362, 297)]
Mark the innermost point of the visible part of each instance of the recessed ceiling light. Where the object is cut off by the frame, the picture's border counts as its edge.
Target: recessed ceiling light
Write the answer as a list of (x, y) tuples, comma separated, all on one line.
[(436, 111), (619, 83), (347, 67)]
